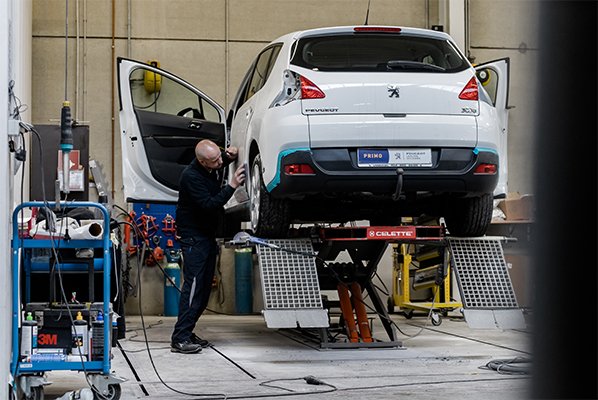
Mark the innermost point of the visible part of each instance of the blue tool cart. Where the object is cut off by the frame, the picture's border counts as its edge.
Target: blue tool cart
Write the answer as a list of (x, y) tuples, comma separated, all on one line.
[(62, 335)]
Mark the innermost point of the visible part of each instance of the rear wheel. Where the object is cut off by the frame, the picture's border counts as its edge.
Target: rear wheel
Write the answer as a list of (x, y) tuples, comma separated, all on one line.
[(469, 216), (114, 392), (269, 217), (37, 393)]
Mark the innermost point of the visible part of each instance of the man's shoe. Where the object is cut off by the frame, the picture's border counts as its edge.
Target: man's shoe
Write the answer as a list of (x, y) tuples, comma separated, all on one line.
[(197, 340), (186, 347)]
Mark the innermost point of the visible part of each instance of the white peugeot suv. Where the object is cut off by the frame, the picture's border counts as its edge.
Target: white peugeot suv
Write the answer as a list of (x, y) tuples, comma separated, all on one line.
[(335, 125)]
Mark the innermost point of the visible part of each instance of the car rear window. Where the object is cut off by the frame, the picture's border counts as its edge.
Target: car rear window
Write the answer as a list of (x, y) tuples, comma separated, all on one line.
[(378, 53)]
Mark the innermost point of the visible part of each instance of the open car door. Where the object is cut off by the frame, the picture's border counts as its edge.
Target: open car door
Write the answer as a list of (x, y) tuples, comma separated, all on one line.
[(494, 77), (162, 118)]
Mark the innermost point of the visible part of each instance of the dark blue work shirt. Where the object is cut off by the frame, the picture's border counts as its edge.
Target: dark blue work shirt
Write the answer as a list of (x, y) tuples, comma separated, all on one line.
[(200, 207)]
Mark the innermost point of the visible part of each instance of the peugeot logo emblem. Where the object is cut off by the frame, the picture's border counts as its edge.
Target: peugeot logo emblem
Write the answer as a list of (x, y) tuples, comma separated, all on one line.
[(393, 91)]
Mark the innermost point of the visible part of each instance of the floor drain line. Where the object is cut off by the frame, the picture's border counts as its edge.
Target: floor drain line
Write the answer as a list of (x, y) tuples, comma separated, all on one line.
[(233, 362), (124, 353)]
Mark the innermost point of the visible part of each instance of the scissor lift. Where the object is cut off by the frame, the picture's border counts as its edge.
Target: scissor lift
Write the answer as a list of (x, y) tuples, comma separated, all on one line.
[(295, 271)]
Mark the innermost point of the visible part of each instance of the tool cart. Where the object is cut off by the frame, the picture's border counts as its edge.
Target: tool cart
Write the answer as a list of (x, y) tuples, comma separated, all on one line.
[(62, 334), (422, 270)]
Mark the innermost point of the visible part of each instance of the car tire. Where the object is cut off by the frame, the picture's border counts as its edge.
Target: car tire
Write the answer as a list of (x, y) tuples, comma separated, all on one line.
[(269, 217), (469, 216)]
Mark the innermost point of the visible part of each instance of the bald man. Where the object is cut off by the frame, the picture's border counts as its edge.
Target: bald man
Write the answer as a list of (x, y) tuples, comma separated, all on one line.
[(199, 216)]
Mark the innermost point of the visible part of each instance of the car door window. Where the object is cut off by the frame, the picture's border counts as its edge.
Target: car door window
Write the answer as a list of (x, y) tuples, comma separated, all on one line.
[(260, 72), (172, 116), (160, 94), (489, 80), (275, 52)]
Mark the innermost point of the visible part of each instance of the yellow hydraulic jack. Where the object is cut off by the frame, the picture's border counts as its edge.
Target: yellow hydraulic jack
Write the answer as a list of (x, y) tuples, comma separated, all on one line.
[(422, 271)]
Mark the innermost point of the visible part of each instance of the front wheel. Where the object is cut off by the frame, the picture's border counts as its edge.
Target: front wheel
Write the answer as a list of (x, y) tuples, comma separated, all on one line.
[(269, 217)]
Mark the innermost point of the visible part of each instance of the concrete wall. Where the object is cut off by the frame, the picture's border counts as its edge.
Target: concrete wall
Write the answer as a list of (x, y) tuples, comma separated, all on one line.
[(507, 29), (212, 42)]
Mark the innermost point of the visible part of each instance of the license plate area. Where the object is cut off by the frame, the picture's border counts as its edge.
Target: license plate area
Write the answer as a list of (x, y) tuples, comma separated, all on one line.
[(397, 157)]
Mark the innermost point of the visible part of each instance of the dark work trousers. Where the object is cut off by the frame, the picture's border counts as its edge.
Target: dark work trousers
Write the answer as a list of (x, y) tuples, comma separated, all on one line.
[(199, 263)]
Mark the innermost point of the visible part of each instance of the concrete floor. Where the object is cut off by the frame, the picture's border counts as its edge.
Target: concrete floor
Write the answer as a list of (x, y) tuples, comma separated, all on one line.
[(249, 360)]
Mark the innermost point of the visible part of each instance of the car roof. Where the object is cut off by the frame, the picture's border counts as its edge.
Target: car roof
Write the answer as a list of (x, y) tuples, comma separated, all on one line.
[(350, 28)]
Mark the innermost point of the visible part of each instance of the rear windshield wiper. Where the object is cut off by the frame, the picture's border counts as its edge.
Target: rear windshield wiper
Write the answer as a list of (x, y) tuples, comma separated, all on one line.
[(412, 65)]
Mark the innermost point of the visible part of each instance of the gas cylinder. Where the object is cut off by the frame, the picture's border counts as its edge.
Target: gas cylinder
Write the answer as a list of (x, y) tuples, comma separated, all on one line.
[(172, 282), (243, 281)]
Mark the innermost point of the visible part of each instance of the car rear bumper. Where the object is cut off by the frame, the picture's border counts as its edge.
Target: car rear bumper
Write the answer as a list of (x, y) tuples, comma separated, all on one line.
[(336, 172)]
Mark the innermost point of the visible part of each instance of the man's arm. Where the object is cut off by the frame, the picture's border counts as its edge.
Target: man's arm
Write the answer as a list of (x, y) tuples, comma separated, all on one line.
[(198, 189)]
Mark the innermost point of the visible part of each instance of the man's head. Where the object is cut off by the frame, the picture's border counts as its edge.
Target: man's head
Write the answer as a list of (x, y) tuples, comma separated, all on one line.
[(208, 154)]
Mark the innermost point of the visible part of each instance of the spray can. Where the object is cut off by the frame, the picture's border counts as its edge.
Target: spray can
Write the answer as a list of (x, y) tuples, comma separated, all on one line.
[(80, 339), (28, 336), (97, 338)]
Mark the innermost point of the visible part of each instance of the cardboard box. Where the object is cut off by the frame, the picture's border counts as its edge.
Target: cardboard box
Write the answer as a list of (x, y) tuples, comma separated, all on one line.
[(519, 268), (518, 207)]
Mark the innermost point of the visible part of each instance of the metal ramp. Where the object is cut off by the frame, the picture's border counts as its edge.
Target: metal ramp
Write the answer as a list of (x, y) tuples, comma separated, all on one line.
[(290, 285), (484, 283)]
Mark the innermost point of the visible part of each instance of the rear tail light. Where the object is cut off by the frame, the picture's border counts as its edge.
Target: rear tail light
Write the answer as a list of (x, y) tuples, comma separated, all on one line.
[(485, 169), (298, 169), (309, 90), (470, 91)]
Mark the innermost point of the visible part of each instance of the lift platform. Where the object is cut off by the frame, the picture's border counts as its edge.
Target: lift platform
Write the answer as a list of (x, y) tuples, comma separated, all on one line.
[(294, 272)]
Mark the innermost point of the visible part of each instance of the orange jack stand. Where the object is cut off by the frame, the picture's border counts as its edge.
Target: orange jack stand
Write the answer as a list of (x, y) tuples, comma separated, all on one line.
[(362, 315), (347, 304), (347, 310)]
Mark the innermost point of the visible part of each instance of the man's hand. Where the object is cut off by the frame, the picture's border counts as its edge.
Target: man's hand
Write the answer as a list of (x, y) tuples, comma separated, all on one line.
[(232, 152), (238, 177)]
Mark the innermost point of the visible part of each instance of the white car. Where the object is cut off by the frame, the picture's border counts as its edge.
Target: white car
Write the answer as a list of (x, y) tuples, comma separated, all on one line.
[(335, 124)]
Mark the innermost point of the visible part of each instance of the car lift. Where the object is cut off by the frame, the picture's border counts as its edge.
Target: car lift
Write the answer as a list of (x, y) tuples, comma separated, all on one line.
[(293, 274), (365, 247), (294, 271)]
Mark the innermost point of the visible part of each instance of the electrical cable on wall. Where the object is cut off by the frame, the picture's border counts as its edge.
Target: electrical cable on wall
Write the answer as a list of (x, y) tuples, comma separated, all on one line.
[(66, 49)]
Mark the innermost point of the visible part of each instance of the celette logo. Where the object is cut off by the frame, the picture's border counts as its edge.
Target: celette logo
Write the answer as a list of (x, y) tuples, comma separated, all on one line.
[(390, 232)]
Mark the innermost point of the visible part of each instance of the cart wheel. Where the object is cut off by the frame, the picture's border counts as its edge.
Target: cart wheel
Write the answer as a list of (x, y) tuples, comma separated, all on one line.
[(436, 319), (444, 312), (408, 313), (113, 393), (37, 393)]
